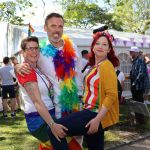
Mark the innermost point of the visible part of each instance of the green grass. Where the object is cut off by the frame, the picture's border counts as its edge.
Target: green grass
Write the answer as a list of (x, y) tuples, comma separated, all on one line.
[(14, 134)]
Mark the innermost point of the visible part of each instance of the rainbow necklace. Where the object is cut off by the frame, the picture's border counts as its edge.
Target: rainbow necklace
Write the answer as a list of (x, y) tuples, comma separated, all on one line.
[(64, 63)]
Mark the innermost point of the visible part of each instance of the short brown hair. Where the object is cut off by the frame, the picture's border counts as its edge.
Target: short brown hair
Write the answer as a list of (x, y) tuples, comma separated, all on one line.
[(51, 15), (28, 39), (6, 60)]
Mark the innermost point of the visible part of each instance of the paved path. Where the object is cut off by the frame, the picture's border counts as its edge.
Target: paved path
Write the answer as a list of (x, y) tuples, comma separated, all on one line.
[(127, 139), (138, 145)]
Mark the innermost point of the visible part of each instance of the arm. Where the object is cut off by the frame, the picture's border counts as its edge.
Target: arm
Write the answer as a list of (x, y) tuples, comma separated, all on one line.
[(34, 93), (94, 123), (122, 76), (122, 85), (108, 85), (30, 83), (141, 71)]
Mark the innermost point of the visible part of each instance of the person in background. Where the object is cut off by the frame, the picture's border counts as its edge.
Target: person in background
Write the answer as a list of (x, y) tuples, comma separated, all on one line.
[(8, 91), (101, 107), (121, 79), (146, 94), (14, 60), (85, 59), (139, 80), (16, 86)]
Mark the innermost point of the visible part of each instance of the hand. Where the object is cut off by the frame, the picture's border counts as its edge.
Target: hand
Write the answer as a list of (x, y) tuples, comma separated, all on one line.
[(93, 126), (58, 131), (22, 68)]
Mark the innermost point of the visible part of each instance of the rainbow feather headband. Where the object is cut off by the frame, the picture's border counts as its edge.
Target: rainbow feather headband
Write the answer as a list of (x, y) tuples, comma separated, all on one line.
[(64, 63)]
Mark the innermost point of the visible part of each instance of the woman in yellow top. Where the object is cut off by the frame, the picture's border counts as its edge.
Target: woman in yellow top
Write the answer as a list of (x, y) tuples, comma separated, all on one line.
[(101, 108)]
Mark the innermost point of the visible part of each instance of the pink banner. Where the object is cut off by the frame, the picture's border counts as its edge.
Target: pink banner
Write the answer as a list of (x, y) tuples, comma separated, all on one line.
[(142, 44), (134, 43), (131, 39), (144, 39), (125, 43), (116, 40)]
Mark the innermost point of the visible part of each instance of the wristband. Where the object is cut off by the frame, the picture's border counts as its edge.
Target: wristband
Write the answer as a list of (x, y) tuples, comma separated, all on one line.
[(51, 123)]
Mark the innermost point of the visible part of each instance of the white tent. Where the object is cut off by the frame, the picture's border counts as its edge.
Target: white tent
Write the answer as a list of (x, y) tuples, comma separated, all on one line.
[(10, 39), (83, 37), (12, 35)]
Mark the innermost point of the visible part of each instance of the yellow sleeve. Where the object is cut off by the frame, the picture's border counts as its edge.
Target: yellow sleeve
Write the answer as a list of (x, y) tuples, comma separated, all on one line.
[(108, 84)]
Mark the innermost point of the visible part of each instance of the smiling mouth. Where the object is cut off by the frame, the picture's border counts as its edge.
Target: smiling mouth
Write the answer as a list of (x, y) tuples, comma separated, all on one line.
[(100, 51), (56, 35)]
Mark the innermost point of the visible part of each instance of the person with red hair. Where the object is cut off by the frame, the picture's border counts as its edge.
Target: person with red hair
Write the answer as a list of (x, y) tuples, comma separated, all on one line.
[(101, 108)]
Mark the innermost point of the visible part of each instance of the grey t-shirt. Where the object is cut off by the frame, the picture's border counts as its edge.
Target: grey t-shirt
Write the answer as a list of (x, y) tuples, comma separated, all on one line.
[(5, 75)]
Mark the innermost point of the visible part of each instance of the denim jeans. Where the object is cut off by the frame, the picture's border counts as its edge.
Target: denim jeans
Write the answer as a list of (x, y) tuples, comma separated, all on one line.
[(76, 123)]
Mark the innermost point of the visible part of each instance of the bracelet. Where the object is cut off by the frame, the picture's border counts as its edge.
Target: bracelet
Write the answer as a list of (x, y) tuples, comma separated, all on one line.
[(51, 123)]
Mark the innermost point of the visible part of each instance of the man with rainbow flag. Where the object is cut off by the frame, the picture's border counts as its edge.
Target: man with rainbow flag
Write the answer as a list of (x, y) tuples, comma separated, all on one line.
[(60, 61)]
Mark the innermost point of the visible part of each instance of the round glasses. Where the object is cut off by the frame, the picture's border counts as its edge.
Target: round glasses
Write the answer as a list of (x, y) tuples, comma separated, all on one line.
[(32, 48)]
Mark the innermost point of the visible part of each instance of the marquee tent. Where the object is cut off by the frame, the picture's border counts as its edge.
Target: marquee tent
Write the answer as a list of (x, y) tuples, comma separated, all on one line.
[(11, 36)]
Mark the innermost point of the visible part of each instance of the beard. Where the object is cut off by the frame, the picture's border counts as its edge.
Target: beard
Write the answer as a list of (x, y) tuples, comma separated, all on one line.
[(54, 40)]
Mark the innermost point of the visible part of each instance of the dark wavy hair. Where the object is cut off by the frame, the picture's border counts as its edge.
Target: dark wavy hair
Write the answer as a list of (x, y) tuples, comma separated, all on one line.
[(111, 55)]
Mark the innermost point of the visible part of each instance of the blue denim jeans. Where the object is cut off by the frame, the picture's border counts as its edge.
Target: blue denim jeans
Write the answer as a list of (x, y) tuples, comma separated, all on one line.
[(76, 123)]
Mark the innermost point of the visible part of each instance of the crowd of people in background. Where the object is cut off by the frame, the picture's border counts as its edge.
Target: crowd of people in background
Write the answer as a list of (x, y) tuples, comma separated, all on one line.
[(54, 81)]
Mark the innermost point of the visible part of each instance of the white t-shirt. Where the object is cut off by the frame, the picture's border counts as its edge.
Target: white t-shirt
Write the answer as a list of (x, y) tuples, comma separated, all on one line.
[(121, 77), (47, 66), (28, 104), (6, 76), (84, 62)]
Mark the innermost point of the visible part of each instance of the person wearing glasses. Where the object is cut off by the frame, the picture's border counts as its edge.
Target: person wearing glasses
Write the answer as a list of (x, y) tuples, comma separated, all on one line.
[(37, 94)]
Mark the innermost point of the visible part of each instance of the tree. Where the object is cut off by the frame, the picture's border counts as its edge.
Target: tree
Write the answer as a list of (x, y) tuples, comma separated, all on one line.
[(83, 14), (133, 15), (86, 13), (9, 9)]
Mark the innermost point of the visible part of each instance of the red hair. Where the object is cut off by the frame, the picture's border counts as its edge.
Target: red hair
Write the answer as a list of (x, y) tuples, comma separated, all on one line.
[(111, 55)]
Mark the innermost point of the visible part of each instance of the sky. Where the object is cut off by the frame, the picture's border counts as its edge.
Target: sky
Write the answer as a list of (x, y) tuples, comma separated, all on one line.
[(50, 6), (40, 14)]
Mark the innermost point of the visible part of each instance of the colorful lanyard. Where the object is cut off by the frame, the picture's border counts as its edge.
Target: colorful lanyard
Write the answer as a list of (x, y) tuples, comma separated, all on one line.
[(50, 87)]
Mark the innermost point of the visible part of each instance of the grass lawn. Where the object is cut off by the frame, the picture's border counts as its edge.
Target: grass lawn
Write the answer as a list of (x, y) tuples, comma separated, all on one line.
[(14, 134)]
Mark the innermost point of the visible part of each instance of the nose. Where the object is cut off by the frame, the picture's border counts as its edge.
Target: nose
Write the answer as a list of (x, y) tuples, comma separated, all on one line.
[(58, 29), (100, 46)]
